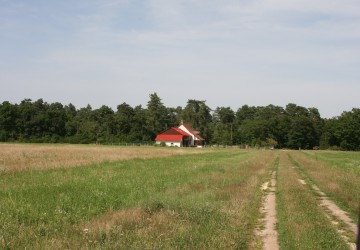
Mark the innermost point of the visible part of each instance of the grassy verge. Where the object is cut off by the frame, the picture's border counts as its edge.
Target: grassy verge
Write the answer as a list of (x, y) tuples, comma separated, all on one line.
[(301, 223), (191, 201)]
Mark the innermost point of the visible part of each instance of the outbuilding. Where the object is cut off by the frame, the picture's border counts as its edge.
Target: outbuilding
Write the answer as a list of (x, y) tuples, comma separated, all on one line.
[(182, 136), (174, 137)]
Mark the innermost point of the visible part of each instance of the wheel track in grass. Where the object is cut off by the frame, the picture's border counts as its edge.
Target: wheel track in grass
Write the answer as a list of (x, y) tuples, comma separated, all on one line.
[(269, 234), (302, 224), (345, 225)]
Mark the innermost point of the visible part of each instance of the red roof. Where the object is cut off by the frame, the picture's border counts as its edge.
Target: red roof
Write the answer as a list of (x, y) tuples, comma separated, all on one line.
[(181, 131), (163, 137), (172, 134)]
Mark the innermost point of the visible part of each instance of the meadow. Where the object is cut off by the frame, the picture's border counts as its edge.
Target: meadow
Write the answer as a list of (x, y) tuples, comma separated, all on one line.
[(97, 197)]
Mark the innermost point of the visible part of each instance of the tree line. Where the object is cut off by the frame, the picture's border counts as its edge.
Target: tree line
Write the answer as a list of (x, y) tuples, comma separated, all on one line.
[(263, 126)]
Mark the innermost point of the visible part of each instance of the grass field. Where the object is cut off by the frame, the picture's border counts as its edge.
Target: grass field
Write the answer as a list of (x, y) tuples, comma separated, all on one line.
[(336, 173), (80, 197), (18, 157)]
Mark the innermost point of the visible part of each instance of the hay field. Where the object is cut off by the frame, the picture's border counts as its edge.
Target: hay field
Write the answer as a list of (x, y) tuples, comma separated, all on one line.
[(18, 157), (91, 197)]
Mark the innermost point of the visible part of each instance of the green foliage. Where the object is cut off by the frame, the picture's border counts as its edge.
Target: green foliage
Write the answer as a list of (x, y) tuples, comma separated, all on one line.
[(157, 115), (197, 114), (223, 123), (293, 127), (343, 131), (271, 142)]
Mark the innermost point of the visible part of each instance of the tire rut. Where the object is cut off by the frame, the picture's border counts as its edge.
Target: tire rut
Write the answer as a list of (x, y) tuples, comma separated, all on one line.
[(332, 211), (269, 234)]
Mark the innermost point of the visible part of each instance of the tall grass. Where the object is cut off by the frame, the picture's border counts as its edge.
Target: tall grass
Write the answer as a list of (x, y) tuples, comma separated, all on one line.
[(301, 222), (336, 174), (347, 161), (189, 201), (19, 157)]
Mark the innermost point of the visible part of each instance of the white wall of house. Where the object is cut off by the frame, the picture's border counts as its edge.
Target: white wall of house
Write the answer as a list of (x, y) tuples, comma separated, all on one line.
[(183, 128), (171, 143)]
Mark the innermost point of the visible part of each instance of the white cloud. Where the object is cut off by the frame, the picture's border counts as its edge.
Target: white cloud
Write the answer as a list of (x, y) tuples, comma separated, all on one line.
[(230, 53)]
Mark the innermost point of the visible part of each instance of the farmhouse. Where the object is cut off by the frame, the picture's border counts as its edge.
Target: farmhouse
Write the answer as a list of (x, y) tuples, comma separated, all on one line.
[(182, 136)]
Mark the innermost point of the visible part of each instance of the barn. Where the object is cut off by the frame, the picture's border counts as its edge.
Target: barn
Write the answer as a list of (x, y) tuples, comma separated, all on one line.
[(182, 136)]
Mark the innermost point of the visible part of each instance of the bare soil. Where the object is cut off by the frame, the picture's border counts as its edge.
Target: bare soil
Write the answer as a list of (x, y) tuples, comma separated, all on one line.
[(269, 233), (340, 214)]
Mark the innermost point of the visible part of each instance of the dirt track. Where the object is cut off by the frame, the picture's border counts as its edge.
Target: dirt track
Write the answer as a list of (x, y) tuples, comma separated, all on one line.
[(340, 215), (334, 213), (269, 234)]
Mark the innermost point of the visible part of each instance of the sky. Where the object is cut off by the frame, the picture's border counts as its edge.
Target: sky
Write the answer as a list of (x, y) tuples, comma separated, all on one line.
[(229, 53)]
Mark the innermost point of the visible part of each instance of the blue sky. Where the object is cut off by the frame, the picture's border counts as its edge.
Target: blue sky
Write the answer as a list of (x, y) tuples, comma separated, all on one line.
[(229, 53)]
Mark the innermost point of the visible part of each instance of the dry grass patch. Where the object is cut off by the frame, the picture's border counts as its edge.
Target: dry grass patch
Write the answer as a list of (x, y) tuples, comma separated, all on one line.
[(107, 221), (143, 220), (131, 228), (18, 157)]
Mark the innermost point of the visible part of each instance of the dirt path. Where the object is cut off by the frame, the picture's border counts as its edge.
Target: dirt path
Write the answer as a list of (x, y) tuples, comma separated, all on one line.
[(340, 214), (269, 233), (333, 210)]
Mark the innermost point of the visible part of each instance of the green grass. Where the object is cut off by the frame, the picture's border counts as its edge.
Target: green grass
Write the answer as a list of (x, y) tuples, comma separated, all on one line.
[(301, 223), (202, 201), (336, 173), (191, 201), (347, 161)]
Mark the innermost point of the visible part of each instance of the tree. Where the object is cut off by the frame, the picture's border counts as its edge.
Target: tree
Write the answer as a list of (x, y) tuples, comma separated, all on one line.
[(197, 114), (348, 132), (257, 126), (318, 124), (32, 120), (301, 131), (275, 122), (292, 127), (329, 133), (245, 113), (174, 115), (224, 115), (157, 115), (55, 122), (8, 118), (86, 126), (124, 119), (70, 124), (105, 125), (254, 132), (223, 121), (139, 130)]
